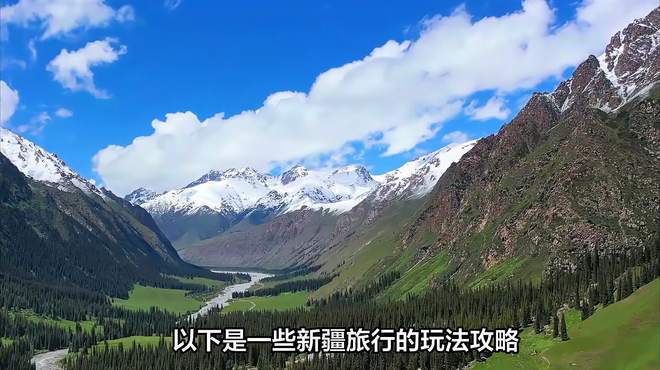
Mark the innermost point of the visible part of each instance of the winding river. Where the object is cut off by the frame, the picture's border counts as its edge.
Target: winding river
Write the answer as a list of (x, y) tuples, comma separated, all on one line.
[(225, 295), (50, 360)]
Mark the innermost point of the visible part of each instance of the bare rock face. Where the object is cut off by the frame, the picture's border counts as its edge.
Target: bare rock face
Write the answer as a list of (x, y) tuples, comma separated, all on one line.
[(576, 169)]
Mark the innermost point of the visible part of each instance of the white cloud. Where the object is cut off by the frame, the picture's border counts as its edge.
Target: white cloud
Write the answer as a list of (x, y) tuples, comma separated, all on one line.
[(63, 113), (495, 107), (8, 102), (394, 98), (172, 4), (72, 69), (456, 137), (60, 17)]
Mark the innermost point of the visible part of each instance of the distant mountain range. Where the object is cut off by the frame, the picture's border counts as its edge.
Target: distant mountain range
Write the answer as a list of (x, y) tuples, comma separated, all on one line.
[(219, 200)]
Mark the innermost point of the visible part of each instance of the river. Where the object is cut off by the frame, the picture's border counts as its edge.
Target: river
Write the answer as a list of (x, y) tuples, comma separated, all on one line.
[(50, 360), (225, 295)]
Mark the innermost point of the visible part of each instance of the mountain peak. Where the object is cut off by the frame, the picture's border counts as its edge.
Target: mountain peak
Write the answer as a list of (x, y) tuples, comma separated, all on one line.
[(41, 165), (626, 69), (247, 173), (293, 174), (418, 177), (352, 175), (140, 196)]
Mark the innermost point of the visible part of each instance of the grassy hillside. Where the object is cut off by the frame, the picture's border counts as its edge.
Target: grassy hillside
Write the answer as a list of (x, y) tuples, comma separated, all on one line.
[(623, 335), (369, 253), (418, 278)]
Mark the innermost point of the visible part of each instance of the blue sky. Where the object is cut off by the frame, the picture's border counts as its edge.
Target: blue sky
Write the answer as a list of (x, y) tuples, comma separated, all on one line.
[(230, 56)]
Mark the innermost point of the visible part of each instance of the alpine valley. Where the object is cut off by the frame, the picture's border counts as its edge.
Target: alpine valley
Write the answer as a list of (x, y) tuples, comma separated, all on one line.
[(551, 227)]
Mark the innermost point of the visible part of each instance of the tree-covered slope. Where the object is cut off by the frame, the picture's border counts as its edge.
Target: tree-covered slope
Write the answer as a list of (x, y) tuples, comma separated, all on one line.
[(81, 239), (623, 335)]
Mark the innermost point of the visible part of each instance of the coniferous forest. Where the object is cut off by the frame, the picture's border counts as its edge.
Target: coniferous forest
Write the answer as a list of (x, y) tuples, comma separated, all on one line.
[(598, 279)]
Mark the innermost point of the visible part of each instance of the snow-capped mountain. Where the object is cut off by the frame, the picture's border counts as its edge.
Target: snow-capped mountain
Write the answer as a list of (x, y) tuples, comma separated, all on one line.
[(219, 199), (628, 68), (141, 195), (336, 191), (418, 177), (41, 165), (237, 191)]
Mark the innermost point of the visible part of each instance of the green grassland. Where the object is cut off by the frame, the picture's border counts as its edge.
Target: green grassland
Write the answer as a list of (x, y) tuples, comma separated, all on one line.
[(281, 302), (145, 297), (623, 335)]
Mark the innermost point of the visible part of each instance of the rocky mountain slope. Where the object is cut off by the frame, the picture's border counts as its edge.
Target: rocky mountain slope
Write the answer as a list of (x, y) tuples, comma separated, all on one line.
[(58, 227), (576, 169), (220, 200)]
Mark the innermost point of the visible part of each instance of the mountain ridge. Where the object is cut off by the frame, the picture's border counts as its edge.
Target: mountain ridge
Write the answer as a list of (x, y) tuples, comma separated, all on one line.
[(217, 200)]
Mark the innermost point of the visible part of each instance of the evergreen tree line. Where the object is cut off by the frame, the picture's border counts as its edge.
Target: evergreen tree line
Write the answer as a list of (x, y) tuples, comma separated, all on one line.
[(16, 355), (599, 278), (71, 304), (289, 286)]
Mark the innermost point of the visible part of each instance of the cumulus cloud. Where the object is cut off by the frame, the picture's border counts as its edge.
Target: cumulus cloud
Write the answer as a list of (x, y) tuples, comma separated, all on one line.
[(60, 17), (8, 102), (394, 98), (63, 113), (495, 107), (72, 69)]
